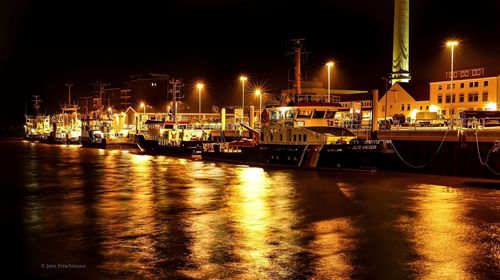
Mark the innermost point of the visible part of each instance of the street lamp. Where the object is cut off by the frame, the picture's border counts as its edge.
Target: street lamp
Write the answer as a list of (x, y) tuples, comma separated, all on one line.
[(143, 106), (329, 65), (200, 87), (452, 44), (259, 93), (243, 79)]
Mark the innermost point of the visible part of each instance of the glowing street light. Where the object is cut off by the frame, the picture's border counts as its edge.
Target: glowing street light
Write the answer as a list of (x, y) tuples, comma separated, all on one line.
[(452, 44), (143, 106), (243, 80), (200, 87), (259, 93), (329, 66)]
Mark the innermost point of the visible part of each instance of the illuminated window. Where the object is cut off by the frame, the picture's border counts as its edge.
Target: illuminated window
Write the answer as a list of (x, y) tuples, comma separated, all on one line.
[(153, 84)]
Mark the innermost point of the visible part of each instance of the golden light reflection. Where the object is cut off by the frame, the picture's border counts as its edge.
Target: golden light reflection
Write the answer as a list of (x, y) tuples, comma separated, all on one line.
[(333, 240), (441, 235)]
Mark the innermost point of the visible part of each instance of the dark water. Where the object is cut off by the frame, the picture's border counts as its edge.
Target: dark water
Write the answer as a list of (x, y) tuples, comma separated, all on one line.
[(77, 213)]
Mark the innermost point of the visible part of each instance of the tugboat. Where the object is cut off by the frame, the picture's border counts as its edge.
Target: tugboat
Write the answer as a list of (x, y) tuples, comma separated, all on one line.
[(171, 137), (36, 127), (301, 133), (66, 127), (104, 129)]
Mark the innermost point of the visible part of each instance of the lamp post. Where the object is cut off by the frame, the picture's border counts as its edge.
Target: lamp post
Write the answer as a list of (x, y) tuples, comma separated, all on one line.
[(329, 66), (243, 79), (143, 106), (259, 93), (200, 87), (452, 44)]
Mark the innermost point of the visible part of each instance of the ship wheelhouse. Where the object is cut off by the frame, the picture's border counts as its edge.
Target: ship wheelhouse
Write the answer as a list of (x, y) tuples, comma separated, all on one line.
[(305, 120)]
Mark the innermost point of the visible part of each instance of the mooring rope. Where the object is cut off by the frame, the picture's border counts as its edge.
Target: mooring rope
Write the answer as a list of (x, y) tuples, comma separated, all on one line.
[(484, 163), (427, 163)]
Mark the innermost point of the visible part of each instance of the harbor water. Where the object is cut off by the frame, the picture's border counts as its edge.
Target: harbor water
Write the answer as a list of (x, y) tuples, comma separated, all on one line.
[(71, 212)]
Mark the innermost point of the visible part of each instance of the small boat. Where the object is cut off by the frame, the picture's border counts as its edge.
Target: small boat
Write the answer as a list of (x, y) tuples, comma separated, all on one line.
[(171, 138)]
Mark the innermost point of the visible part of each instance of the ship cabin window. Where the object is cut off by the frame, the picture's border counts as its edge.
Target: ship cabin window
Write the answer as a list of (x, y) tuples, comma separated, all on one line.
[(318, 114), (289, 114), (305, 138), (276, 115), (330, 114), (304, 114)]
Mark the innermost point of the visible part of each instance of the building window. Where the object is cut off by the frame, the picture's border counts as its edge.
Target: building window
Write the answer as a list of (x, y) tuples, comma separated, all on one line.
[(453, 98), (420, 108), (476, 84), (448, 86), (443, 112), (461, 98), (472, 97), (408, 107), (402, 107), (485, 96), (295, 138), (471, 84), (305, 138), (462, 85), (452, 112), (153, 84), (390, 106), (485, 84), (440, 87), (454, 86), (448, 98), (427, 107), (271, 136), (281, 137), (440, 98)]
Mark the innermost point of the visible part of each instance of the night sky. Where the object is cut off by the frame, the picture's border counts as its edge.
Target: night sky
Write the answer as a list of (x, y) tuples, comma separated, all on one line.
[(46, 43)]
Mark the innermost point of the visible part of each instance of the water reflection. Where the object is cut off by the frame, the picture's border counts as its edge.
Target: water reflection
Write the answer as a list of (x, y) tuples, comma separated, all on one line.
[(441, 234), (127, 215)]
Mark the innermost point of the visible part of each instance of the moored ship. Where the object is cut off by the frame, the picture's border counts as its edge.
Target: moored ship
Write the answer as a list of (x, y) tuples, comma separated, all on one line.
[(302, 133)]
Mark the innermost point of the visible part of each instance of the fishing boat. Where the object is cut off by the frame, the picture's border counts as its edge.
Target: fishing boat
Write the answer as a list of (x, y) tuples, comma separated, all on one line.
[(37, 125)]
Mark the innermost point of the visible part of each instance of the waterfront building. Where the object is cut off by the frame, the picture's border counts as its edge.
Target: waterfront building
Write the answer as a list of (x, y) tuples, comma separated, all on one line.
[(471, 90), (404, 98)]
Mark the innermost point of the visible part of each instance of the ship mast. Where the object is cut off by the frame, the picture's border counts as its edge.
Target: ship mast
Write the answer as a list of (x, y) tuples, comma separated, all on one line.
[(298, 52), (176, 89), (36, 103)]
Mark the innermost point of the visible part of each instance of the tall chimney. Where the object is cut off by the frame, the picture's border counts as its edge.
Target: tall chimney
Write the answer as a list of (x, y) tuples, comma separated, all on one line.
[(401, 42)]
